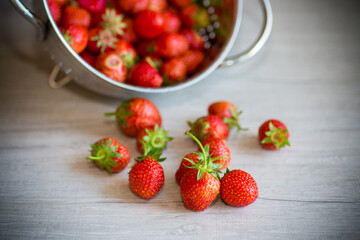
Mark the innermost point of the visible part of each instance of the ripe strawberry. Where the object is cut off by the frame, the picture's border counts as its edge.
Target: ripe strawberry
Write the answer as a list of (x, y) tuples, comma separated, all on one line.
[(144, 74), (193, 60), (219, 151), (185, 165), (101, 40), (126, 51), (181, 3), (93, 6), (157, 5), (170, 45), (55, 11), (172, 21), (109, 154), (200, 186), (149, 24), (273, 135), (227, 112), (88, 57), (153, 139), (173, 70), (146, 177), (129, 32), (135, 114), (196, 42), (133, 6), (111, 65), (195, 16), (77, 37), (76, 16), (238, 188), (210, 126)]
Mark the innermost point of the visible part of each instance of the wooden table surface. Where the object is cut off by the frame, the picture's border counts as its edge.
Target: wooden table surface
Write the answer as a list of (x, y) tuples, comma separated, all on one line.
[(308, 75)]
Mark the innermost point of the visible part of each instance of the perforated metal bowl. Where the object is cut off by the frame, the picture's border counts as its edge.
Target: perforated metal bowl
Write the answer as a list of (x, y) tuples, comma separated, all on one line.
[(222, 32)]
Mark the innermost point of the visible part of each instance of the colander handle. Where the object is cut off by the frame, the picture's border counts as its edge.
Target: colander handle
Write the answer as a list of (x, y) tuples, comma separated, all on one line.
[(260, 42), (28, 15)]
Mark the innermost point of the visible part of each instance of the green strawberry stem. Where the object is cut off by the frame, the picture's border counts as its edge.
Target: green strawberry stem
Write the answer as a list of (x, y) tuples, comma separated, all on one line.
[(108, 114), (102, 154)]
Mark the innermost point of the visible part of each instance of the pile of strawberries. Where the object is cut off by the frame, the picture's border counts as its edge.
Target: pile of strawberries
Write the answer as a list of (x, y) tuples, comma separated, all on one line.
[(199, 172), (146, 43)]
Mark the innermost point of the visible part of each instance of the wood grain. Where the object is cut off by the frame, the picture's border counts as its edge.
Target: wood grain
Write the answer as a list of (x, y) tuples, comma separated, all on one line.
[(308, 76)]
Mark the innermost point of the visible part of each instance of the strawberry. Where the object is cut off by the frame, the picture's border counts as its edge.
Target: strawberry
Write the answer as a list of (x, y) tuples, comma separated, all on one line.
[(109, 154), (181, 3), (238, 188), (55, 11), (173, 70), (61, 3), (210, 126), (157, 5), (172, 21), (195, 16), (88, 57), (77, 37), (133, 6), (219, 151), (129, 32), (227, 112), (73, 15), (193, 60), (135, 114), (144, 74), (153, 139), (200, 186), (111, 65), (126, 51), (195, 40), (146, 177), (170, 45), (101, 40), (146, 47), (149, 24), (273, 135), (93, 6), (185, 165)]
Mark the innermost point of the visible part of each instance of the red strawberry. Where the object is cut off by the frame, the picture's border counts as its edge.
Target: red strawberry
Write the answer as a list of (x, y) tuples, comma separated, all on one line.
[(172, 21), (88, 57), (170, 45), (135, 114), (181, 3), (77, 37), (238, 188), (149, 24), (55, 11), (152, 139), (219, 151), (110, 155), (186, 164), (157, 5), (173, 70), (210, 126), (101, 40), (273, 135), (129, 32), (110, 64), (133, 6), (193, 60), (144, 74), (126, 51), (61, 3), (146, 177), (228, 113), (76, 16), (194, 16), (93, 6), (195, 40), (200, 186)]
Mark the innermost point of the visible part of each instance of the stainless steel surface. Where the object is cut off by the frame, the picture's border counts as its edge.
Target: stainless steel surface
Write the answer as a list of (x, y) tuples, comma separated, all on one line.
[(85, 75)]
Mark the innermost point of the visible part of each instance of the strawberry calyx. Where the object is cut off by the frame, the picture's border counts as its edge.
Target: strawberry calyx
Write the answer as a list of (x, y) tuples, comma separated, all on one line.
[(102, 155), (156, 139), (277, 136), (199, 128), (205, 163), (122, 112), (150, 154), (129, 60), (113, 22), (67, 37), (105, 39), (201, 18), (233, 120)]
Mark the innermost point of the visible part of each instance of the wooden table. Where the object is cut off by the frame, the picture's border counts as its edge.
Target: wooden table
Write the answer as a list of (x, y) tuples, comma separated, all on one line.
[(308, 76)]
